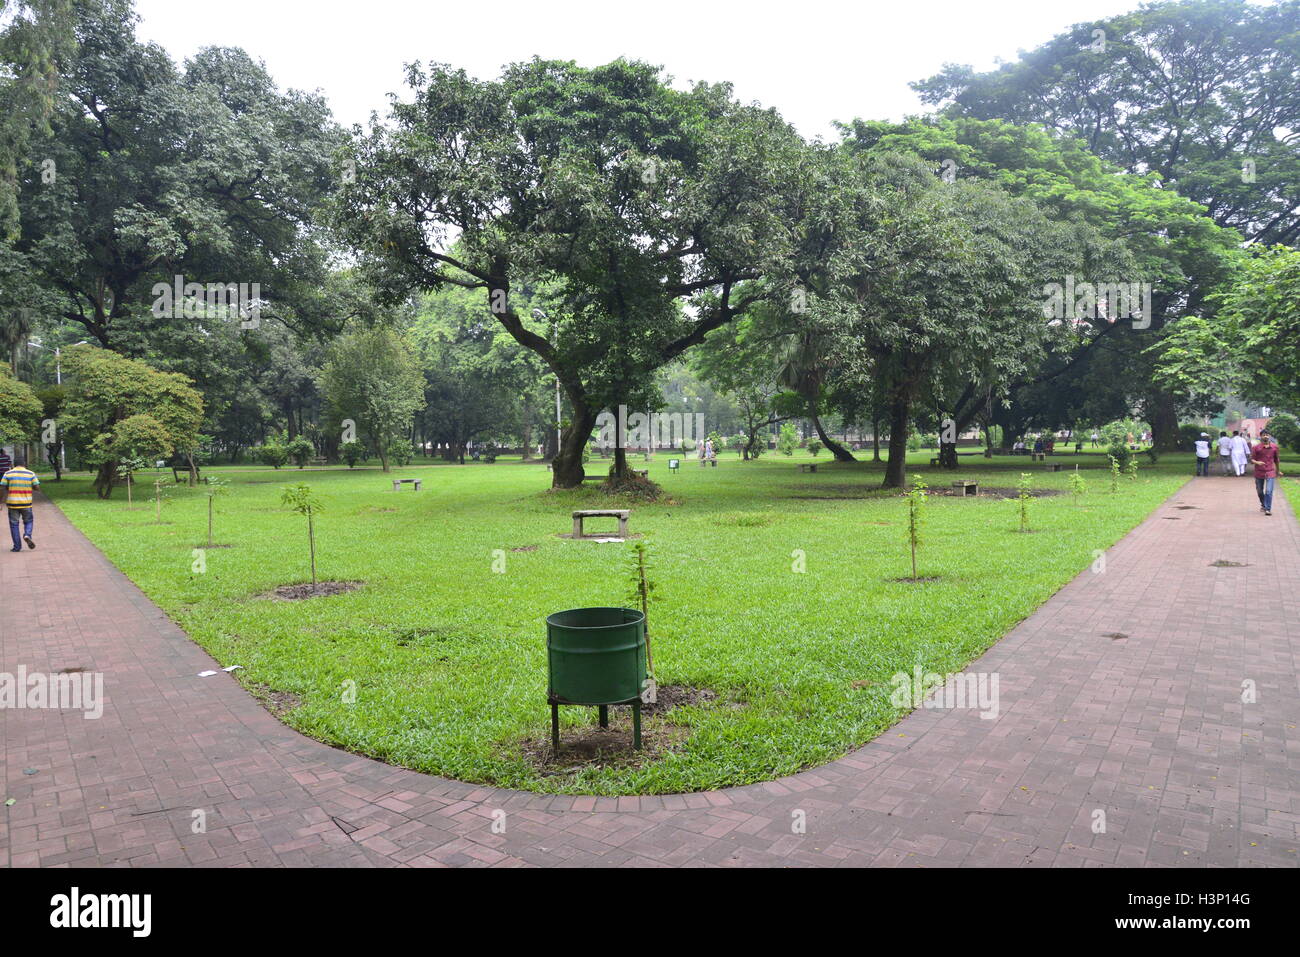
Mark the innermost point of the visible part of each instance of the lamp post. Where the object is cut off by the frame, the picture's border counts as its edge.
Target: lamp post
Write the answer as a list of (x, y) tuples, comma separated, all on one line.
[(58, 380)]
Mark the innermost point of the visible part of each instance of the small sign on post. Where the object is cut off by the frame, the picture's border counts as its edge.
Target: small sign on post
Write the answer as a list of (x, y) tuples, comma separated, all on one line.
[(674, 464)]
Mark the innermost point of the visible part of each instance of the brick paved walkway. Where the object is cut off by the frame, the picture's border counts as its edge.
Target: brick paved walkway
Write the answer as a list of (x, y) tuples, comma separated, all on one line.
[(1150, 729)]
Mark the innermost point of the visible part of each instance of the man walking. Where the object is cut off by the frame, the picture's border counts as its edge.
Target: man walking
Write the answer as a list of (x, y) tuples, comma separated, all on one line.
[(17, 486), (1225, 454), (1267, 469), (1203, 455), (1240, 453)]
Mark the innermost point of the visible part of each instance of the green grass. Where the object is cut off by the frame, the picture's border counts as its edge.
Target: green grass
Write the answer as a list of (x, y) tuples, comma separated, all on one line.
[(449, 658)]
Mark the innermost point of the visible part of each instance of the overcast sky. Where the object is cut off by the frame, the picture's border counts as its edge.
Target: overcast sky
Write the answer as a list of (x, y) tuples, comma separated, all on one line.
[(815, 61)]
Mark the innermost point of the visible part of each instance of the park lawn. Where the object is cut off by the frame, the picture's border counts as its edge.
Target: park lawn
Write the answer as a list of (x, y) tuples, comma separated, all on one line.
[(448, 656)]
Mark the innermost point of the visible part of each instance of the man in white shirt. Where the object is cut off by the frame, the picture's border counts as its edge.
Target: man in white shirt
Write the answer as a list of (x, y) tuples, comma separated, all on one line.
[(1225, 454), (1203, 454), (1240, 453)]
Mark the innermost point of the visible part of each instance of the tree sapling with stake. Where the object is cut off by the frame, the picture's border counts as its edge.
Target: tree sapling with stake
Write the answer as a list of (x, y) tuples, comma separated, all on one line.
[(304, 501), (640, 593)]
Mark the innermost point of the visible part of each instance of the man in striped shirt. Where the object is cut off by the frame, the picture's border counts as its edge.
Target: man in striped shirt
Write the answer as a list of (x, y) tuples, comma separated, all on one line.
[(17, 485)]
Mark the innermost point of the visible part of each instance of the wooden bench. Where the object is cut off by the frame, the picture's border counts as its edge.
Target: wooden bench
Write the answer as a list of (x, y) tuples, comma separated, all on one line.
[(397, 484), (967, 487), (619, 513), (808, 467)]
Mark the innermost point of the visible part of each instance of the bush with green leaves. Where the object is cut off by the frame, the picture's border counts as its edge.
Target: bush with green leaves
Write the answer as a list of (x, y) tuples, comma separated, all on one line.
[(788, 440), (1285, 428), (815, 446), (1189, 433), (300, 450), (352, 453), (272, 452), (1115, 470), (1120, 453)]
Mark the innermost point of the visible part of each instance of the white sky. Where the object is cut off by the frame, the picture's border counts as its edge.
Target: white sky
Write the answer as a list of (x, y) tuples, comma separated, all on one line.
[(814, 60)]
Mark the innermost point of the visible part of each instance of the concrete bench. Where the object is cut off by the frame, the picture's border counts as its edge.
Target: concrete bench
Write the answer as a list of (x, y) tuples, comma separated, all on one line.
[(934, 462), (808, 467), (619, 513), (967, 487), (644, 473), (1038, 456), (1054, 467), (397, 484)]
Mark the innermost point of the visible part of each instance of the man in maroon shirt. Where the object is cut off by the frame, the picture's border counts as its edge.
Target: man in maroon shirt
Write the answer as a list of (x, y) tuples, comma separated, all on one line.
[(1264, 457)]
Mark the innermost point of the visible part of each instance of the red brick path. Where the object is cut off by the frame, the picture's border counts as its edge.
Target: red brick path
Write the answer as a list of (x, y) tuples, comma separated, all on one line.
[(1149, 729)]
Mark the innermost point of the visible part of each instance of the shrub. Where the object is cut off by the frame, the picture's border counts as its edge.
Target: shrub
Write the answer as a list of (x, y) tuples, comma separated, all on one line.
[(1285, 428), (352, 453), (272, 453), (788, 440), (1188, 434), (300, 449), (814, 446), (1121, 453)]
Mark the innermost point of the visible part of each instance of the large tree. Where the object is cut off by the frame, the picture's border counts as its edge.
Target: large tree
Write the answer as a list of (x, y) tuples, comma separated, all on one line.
[(654, 213), (209, 173), (1127, 228), (117, 408), (371, 377)]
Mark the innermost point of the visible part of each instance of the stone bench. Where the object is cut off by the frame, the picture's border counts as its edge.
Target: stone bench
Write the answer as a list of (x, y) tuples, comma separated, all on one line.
[(967, 487), (643, 473), (808, 467), (398, 483), (619, 513), (1054, 467)]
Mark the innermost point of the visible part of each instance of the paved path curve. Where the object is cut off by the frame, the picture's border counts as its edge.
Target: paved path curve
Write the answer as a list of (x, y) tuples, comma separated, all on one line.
[(1149, 729)]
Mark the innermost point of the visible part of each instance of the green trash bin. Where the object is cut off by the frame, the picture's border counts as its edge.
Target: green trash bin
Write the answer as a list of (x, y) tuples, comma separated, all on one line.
[(595, 657)]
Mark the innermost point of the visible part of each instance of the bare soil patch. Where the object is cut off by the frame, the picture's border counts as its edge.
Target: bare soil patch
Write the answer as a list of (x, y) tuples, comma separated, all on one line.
[(308, 590), (278, 703)]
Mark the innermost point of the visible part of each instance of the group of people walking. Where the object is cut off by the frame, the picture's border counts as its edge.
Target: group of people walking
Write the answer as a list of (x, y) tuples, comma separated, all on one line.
[(17, 482), (1236, 453)]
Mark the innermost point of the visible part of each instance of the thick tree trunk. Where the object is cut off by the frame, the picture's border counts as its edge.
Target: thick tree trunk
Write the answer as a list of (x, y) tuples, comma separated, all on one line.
[(104, 479), (947, 455), (875, 438), (836, 449), (566, 467), (1162, 413), (899, 416)]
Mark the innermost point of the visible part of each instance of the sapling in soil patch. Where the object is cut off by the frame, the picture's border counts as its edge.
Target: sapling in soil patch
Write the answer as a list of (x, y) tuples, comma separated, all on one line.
[(304, 501), (916, 499), (214, 486), (1023, 499), (126, 470), (1078, 485), (159, 494), (640, 593)]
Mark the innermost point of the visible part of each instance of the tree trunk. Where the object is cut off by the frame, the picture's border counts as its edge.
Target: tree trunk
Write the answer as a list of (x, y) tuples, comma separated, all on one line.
[(1162, 413), (899, 415), (104, 479), (947, 455), (566, 467), (875, 437), (836, 449)]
